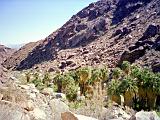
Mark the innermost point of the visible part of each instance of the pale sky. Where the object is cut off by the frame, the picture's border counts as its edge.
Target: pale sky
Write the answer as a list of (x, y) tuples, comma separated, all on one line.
[(23, 21)]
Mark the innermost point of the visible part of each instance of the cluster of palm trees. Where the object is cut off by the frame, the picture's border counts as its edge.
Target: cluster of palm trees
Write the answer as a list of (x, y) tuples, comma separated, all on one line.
[(40, 80), (85, 78), (139, 86)]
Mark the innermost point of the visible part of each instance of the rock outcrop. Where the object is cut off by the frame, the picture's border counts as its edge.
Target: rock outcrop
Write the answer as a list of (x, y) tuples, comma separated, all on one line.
[(5, 52), (11, 111), (71, 116), (142, 115)]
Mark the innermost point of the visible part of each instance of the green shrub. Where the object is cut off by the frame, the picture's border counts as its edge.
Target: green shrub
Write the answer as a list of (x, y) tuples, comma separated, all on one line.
[(113, 88), (73, 75), (71, 91), (67, 79), (46, 79), (55, 88), (58, 81), (76, 105), (41, 86)]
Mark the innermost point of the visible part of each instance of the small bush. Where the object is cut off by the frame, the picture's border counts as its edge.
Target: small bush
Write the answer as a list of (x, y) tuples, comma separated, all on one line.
[(46, 79), (71, 91), (76, 105)]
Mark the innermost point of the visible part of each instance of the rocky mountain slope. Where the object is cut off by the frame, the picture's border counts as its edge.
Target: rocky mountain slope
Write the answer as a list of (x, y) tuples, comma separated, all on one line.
[(20, 54), (108, 32), (5, 52)]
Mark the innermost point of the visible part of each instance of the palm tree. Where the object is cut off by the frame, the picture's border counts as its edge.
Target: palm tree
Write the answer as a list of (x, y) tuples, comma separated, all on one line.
[(136, 73), (104, 73), (95, 77), (84, 74), (96, 81), (147, 88), (46, 79), (28, 76), (150, 84), (58, 81), (157, 79), (36, 79), (114, 91), (130, 88)]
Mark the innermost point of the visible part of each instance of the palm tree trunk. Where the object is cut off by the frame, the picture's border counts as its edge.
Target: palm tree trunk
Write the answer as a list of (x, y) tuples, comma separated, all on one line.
[(116, 98), (82, 87), (151, 99), (128, 98), (142, 96)]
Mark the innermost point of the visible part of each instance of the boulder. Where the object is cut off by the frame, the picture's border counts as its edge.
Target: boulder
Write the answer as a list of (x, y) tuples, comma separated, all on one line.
[(126, 31), (131, 56), (10, 111), (58, 107), (51, 70), (156, 67), (38, 114), (30, 88), (60, 96), (69, 62), (92, 15), (121, 33), (68, 116), (117, 32), (81, 98), (100, 25), (142, 115), (71, 116), (62, 65), (29, 106), (82, 117), (152, 30), (83, 14), (80, 27), (47, 91), (114, 113)]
